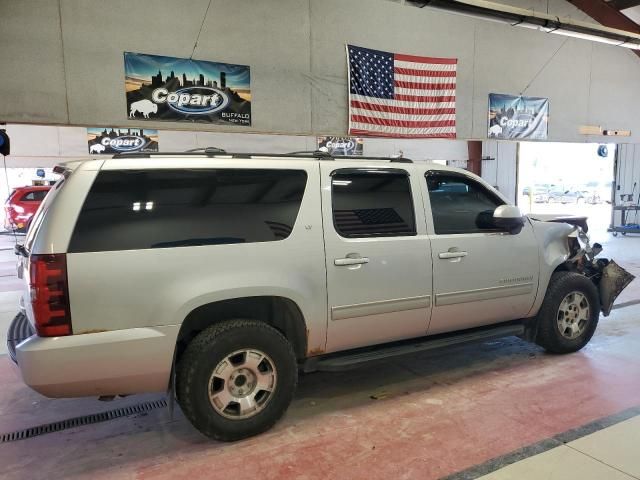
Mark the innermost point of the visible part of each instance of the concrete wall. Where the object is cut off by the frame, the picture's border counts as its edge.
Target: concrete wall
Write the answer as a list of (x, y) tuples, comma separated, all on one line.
[(62, 63)]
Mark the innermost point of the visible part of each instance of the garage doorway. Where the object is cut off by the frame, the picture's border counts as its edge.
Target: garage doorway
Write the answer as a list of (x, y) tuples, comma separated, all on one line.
[(567, 179)]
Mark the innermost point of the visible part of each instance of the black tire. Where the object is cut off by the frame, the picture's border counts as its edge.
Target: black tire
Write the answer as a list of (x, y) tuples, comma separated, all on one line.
[(212, 346), (549, 335)]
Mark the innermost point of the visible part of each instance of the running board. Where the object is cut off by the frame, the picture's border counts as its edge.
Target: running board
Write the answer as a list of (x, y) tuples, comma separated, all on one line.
[(354, 358)]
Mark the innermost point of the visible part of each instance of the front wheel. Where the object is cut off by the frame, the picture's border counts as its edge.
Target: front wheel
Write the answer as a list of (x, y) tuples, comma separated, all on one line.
[(569, 313), (236, 379)]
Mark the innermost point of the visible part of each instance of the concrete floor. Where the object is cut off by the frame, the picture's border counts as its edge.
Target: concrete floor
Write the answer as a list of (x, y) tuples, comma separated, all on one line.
[(610, 453), (425, 416)]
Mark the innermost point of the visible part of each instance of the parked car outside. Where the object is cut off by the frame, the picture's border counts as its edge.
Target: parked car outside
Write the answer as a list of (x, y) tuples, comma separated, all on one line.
[(598, 192), (555, 194), (541, 195), (305, 264), (22, 205), (573, 195), (538, 188)]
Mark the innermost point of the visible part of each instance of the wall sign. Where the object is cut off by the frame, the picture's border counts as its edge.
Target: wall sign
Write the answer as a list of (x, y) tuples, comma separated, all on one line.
[(184, 90), (120, 140), (519, 117), (341, 145)]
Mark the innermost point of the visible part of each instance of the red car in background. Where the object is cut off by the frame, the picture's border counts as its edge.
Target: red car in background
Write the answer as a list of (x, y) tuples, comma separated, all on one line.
[(22, 205)]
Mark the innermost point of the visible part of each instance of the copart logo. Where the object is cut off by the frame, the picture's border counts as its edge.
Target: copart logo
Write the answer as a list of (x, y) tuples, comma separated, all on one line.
[(521, 122), (348, 145), (192, 100), (124, 143)]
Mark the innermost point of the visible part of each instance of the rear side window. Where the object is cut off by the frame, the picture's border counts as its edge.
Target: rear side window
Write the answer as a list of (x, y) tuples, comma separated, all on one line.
[(371, 203), (34, 196), (132, 210)]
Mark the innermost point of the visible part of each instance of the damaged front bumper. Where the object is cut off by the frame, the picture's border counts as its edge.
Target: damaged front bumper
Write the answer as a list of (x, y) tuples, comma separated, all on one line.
[(613, 280), (610, 278)]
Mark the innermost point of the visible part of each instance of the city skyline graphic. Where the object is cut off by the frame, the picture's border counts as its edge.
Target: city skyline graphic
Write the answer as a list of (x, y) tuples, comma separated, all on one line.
[(155, 69), (146, 74), (95, 135)]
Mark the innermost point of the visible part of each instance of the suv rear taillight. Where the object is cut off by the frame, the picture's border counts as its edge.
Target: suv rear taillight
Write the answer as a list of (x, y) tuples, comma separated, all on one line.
[(50, 294)]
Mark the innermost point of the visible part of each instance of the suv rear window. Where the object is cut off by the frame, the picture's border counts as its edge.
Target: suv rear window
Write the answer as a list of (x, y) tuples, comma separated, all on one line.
[(141, 209), (372, 203)]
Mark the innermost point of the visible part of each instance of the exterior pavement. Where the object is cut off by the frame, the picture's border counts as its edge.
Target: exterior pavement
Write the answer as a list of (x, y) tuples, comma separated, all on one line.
[(423, 416)]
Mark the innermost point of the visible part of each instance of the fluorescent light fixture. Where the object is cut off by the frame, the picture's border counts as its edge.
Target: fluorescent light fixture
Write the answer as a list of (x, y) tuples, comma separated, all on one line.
[(538, 21), (136, 206), (148, 206)]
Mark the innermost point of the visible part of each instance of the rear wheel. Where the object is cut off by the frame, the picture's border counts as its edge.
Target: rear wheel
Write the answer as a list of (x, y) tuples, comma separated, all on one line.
[(569, 313), (236, 379)]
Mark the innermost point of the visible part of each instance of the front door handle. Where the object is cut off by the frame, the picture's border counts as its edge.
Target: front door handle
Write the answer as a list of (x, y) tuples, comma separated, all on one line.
[(340, 262), (445, 255)]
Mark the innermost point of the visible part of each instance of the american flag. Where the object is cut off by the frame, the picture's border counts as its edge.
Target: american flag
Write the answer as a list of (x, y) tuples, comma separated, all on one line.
[(395, 95)]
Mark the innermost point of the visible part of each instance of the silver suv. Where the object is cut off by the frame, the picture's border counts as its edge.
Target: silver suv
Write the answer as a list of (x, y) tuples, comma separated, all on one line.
[(221, 276)]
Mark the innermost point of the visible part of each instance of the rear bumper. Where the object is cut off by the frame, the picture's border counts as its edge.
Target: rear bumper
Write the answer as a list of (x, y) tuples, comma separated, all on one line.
[(119, 362)]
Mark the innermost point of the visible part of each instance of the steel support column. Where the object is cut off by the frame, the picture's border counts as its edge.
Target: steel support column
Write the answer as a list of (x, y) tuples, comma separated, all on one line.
[(474, 164)]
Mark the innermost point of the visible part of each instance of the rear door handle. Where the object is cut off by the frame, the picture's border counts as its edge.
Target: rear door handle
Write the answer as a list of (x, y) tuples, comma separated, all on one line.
[(340, 262), (445, 255)]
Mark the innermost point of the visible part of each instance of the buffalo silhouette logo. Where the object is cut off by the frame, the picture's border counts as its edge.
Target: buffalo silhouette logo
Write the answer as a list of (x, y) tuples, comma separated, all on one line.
[(145, 107), (97, 148)]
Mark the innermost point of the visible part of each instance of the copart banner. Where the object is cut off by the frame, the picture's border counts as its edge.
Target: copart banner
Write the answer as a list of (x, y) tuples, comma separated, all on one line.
[(118, 140), (185, 90), (341, 145), (519, 117)]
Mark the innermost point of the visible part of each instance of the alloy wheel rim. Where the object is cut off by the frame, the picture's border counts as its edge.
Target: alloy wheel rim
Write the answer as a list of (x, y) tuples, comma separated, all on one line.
[(242, 384), (573, 315)]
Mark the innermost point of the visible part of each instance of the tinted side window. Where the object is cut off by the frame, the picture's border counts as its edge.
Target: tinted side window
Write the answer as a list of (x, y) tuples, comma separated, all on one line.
[(372, 204), (35, 196), (131, 210), (460, 204)]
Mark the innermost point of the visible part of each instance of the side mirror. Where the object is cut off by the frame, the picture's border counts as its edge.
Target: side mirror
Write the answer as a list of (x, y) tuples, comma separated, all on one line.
[(508, 217)]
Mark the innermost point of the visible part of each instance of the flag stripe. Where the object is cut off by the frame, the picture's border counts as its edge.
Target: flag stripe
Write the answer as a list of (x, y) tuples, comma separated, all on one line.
[(372, 112), (424, 66), (403, 123), (425, 102), (446, 108), (416, 59), (413, 72), (424, 86), (410, 78), (362, 129), (419, 98)]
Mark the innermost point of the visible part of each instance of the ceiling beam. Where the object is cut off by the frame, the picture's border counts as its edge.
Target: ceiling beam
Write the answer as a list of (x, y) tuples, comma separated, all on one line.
[(605, 14), (624, 4)]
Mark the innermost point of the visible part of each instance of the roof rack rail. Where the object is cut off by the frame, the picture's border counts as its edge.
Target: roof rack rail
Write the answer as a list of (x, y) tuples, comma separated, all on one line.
[(212, 152), (313, 153), (207, 150)]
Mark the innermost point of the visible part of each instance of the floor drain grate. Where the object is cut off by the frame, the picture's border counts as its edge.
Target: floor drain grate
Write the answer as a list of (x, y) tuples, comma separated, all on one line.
[(84, 420)]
